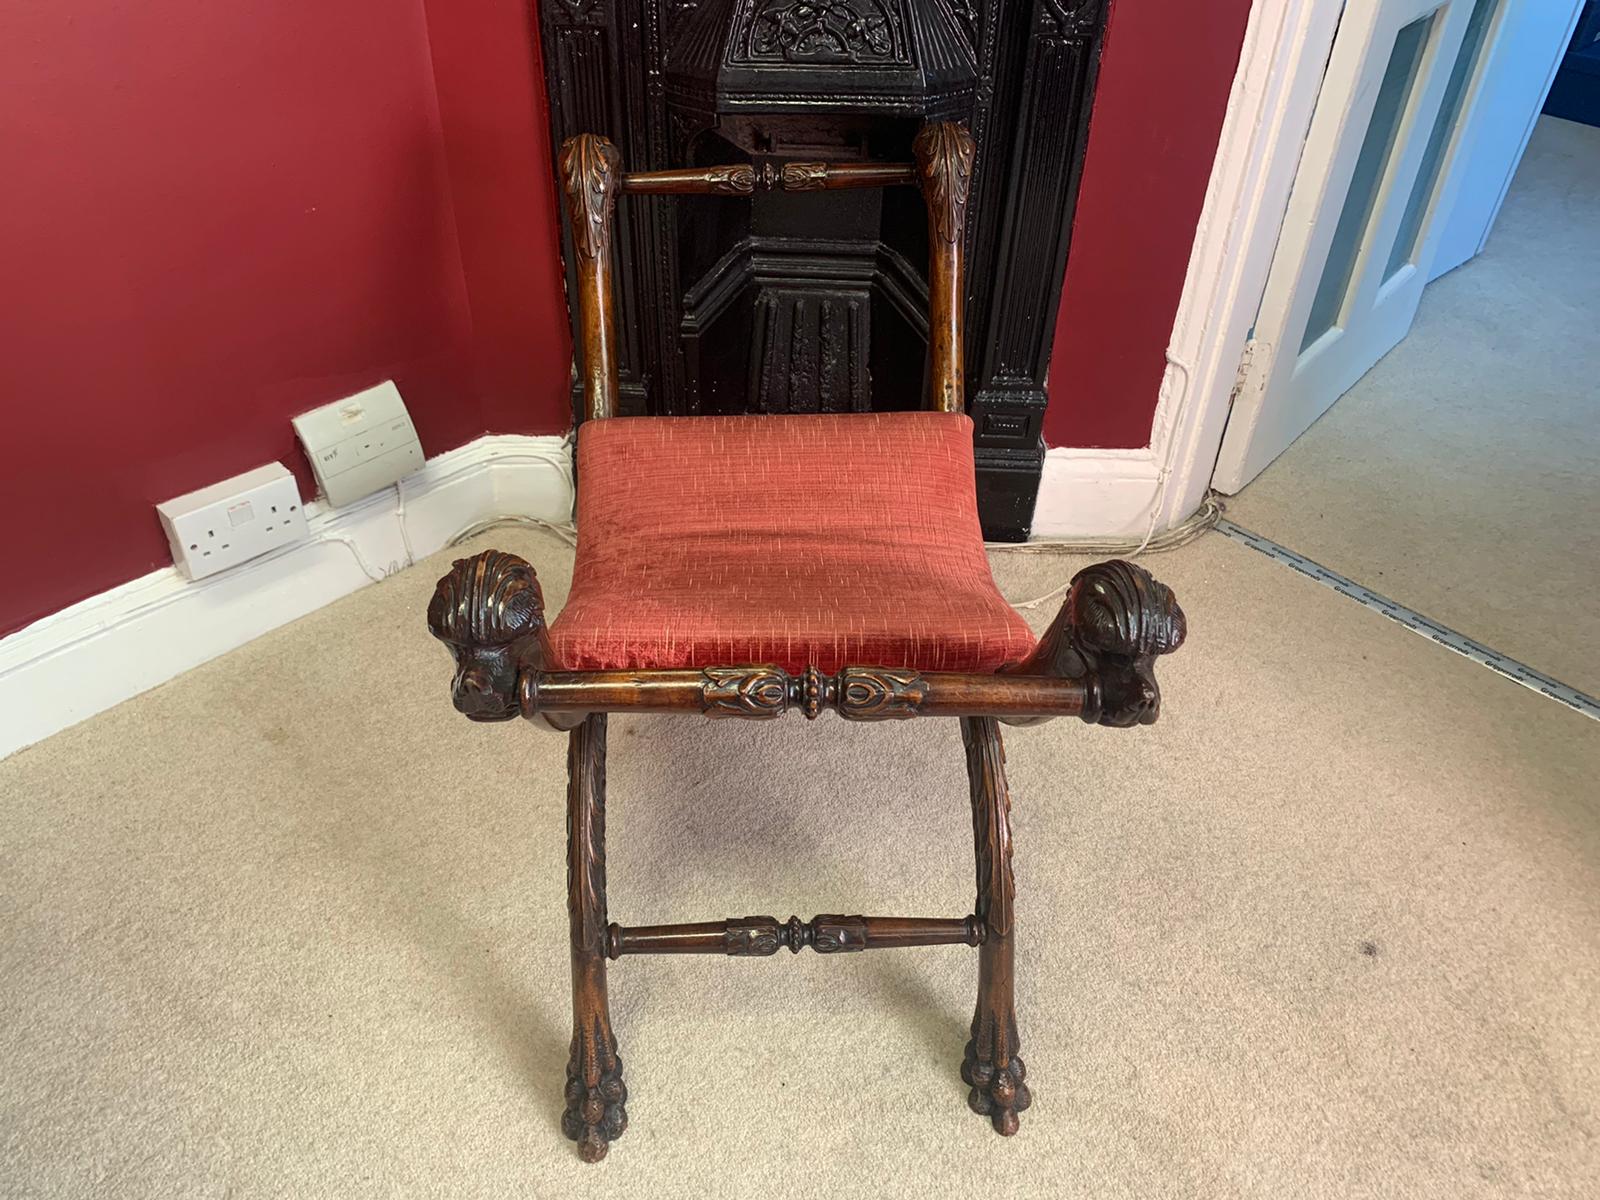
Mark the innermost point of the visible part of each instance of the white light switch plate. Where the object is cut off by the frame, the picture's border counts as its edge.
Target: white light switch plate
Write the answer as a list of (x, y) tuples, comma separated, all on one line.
[(222, 525), (360, 444)]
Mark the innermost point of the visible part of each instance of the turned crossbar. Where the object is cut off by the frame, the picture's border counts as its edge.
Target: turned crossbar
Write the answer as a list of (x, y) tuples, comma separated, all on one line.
[(758, 692), (743, 179), (757, 937)]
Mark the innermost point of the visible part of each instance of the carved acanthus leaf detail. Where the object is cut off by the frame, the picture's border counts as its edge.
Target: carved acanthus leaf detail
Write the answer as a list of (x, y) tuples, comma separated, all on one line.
[(745, 937), (991, 825), (591, 169), (595, 1093), (872, 694), (586, 867), (944, 152), (749, 692), (804, 176), (991, 1067), (837, 935), (738, 179), (753, 937), (858, 693)]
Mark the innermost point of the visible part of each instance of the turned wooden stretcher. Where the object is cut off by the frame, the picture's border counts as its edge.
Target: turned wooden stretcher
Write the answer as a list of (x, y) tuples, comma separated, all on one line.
[(718, 574)]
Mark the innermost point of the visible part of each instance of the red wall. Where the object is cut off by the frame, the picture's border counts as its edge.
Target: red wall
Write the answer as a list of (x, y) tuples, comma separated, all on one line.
[(497, 143), (219, 215), (1159, 104)]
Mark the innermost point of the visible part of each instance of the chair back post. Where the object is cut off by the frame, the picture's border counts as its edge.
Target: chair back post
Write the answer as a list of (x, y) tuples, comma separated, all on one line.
[(944, 153), (591, 174)]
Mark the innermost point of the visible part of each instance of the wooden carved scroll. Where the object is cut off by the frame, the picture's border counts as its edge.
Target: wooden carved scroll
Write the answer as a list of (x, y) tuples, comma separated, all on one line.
[(591, 174), (944, 153), (1116, 620)]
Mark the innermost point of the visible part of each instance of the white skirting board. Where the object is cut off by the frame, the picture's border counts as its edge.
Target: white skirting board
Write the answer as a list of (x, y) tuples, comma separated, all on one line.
[(110, 647), (1099, 494)]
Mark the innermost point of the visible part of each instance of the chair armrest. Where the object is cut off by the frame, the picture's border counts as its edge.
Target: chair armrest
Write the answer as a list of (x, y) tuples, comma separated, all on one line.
[(1096, 661), (1117, 618)]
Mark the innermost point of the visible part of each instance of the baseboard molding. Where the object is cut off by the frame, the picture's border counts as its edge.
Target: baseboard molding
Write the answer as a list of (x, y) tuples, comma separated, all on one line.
[(108, 648), (1097, 494)]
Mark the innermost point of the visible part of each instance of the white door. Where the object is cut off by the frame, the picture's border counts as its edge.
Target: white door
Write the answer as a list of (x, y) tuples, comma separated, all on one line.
[(1517, 73), (1355, 248)]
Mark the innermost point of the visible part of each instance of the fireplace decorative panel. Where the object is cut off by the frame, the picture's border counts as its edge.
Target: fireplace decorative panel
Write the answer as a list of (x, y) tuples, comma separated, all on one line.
[(776, 303)]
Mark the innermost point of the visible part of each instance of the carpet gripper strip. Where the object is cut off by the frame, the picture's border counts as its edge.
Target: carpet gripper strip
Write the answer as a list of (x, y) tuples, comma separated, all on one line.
[(1459, 643)]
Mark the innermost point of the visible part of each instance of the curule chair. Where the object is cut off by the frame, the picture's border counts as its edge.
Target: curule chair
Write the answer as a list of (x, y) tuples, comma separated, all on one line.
[(744, 566)]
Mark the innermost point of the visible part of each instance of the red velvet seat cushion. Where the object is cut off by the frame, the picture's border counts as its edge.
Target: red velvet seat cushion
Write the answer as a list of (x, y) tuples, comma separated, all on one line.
[(831, 540)]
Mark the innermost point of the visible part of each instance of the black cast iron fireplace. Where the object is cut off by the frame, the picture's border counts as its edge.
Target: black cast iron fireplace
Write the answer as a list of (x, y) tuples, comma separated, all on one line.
[(804, 304)]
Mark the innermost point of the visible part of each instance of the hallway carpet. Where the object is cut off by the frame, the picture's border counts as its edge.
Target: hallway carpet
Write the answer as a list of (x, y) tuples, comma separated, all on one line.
[(1461, 476), (287, 926)]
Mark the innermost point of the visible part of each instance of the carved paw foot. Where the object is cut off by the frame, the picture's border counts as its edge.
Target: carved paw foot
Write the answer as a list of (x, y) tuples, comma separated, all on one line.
[(595, 1116), (998, 1093)]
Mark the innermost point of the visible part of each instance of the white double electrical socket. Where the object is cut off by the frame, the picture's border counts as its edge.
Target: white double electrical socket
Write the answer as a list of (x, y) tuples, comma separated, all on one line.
[(360, 444), (222, 525)]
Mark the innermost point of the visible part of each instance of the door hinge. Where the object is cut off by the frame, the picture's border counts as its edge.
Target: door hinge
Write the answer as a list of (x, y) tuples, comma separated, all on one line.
[(1254, 362)]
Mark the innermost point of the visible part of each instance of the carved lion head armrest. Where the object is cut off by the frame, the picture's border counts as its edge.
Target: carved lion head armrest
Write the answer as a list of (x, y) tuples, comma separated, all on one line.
[(489, 611), (1113, 624)]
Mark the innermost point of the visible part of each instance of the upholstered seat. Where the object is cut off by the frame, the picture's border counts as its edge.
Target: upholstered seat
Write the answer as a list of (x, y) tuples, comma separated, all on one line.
[(801, 540)]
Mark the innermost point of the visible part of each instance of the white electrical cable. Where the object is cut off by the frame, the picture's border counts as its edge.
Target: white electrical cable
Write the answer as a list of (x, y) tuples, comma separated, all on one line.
[(1166, 467), (563, 530), (1206, 517), (400, 516), (361, 561)]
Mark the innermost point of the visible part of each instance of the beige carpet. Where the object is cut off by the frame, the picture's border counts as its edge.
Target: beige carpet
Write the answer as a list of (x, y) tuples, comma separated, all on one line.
[(1459, 476), (289, 927)]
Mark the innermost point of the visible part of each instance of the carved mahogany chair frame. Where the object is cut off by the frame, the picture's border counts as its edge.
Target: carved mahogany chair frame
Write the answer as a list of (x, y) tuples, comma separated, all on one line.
[(1094, 662)]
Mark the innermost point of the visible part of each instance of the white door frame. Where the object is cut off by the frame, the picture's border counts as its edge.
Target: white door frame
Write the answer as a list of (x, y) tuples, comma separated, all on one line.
[(1138, 492), (1099, 493), (1281, 64)]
